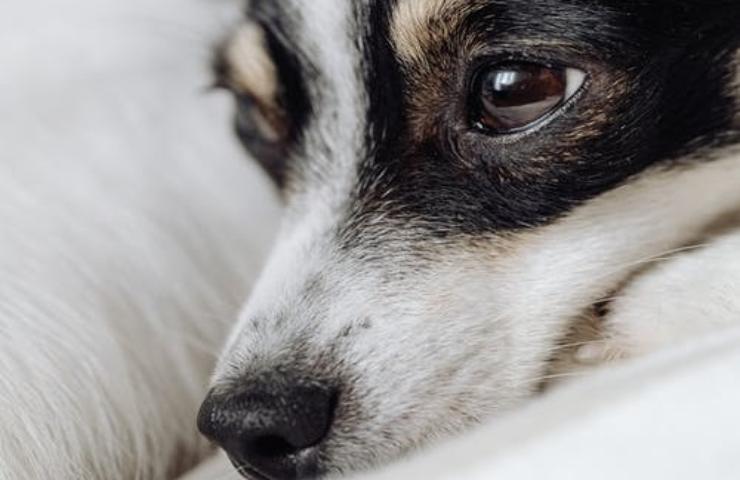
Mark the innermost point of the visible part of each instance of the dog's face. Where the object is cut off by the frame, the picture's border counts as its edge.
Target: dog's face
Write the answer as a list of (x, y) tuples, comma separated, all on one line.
[(462, 179)]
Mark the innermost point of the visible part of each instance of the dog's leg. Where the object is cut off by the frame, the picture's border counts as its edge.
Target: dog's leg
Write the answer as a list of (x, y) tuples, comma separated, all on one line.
[(692, 295)]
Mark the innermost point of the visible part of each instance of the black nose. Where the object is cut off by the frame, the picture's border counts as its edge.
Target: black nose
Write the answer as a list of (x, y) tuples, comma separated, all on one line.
[(271, 429)]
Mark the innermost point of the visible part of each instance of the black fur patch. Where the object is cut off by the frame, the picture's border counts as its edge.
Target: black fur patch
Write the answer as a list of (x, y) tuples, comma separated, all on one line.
[(658, 89), (671, 62)]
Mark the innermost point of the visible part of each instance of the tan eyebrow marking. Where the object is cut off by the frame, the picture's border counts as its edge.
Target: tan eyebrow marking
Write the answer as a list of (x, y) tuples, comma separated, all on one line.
[(251, 70), (418, 24)]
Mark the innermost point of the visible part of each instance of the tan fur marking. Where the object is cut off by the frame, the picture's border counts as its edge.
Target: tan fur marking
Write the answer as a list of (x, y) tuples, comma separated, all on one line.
[(417, 24), (252, 71)]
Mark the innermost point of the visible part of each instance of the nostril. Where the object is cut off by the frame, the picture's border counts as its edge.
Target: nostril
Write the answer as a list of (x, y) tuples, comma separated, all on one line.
[(270, 446), (272, 427)]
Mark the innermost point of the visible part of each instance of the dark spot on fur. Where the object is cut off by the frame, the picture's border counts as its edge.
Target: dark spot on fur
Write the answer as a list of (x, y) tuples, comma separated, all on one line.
[(346, 331), (602, 308)]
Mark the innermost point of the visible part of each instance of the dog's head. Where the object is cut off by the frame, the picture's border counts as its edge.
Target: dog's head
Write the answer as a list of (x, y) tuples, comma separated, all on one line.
[(462, 178)]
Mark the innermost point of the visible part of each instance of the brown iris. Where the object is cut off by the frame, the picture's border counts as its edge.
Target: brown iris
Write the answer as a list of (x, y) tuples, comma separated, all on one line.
[(509, 97)]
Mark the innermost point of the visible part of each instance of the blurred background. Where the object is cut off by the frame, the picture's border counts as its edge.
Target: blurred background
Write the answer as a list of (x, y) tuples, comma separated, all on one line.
[(131, 228)]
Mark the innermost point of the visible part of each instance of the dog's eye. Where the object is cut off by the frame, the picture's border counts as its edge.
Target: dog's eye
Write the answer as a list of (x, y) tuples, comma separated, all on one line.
[(510, 97)]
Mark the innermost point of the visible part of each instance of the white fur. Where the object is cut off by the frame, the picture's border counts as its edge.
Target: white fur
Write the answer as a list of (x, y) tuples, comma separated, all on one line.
[(131, 227)]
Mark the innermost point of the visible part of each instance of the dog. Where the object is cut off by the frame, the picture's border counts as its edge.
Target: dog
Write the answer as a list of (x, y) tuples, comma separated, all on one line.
[(464, 180)]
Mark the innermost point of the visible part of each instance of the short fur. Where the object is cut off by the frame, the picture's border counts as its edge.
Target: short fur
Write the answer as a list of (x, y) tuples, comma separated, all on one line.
[(429, 270)]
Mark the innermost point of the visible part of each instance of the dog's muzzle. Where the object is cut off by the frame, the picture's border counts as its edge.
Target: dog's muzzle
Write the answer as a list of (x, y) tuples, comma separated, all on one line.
[(271, 428)]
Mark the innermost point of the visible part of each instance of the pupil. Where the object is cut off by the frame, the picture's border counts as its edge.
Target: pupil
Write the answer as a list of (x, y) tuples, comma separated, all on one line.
[(514, 96), (512, 87)]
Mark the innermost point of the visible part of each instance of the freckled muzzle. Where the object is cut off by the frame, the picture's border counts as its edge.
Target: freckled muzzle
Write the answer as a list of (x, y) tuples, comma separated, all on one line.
[(271, 428)]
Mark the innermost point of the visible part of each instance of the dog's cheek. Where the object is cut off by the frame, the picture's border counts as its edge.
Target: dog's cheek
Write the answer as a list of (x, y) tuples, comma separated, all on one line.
[(435, 359)]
